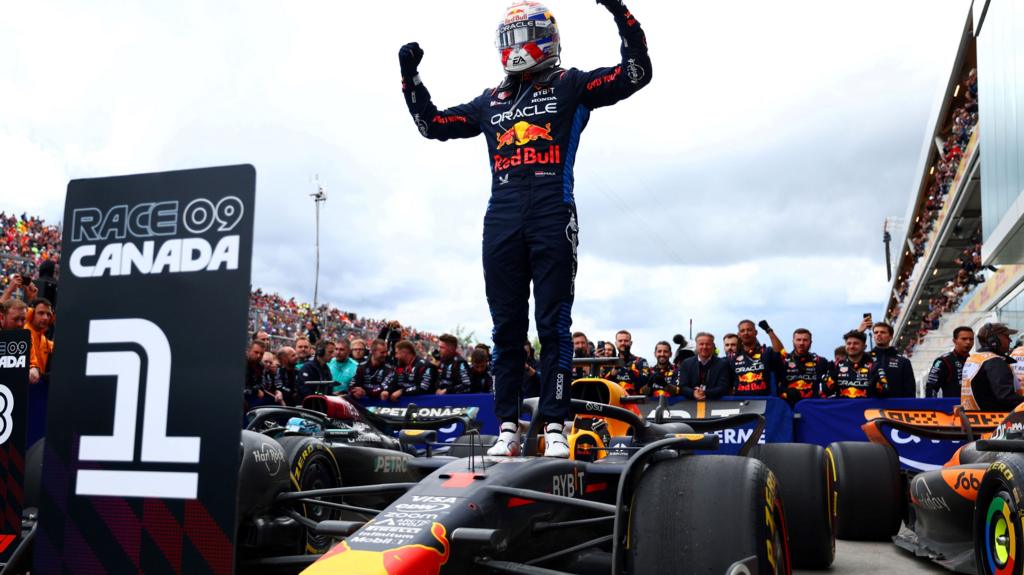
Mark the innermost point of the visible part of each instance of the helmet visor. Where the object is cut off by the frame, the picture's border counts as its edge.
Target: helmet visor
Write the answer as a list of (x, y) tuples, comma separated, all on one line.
[(519, 33)]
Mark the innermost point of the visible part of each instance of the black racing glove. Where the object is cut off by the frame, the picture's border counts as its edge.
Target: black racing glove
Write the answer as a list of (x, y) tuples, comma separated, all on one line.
[(614, 6), (409, 58), (763, 324)]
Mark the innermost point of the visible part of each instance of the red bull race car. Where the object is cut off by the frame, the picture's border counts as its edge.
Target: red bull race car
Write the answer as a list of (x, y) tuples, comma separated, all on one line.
[(966, 515), (634, 498)]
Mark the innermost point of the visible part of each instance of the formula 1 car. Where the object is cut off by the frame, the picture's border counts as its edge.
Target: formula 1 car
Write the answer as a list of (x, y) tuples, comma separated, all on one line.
[(965, 516), (327, 443), (644, 508), (638, 501)]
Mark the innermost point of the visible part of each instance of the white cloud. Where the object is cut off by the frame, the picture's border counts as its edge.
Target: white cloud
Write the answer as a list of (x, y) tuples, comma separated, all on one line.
[(750, 178)]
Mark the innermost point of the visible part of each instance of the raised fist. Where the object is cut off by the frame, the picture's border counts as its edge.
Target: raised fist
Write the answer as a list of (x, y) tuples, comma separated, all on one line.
[(409, 58)]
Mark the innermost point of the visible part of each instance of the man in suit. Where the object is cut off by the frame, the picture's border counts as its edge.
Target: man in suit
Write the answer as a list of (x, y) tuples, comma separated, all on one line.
[(705, 376)]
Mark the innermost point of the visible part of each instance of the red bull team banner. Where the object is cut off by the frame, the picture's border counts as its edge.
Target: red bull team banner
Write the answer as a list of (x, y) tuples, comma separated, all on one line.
[(141, 458)]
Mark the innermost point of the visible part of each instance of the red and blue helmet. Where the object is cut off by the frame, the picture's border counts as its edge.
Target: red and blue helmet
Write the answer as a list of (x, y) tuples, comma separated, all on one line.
[(527, 38)]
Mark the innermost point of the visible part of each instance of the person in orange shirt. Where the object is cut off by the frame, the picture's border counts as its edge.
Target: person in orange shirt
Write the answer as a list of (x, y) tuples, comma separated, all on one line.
[(38, 321)]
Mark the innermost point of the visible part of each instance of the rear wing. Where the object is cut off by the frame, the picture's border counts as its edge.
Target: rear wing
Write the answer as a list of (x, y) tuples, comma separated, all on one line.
[(929, 424)]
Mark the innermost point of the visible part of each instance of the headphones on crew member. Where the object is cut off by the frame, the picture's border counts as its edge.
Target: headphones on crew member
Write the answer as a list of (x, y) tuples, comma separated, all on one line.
[(991, 340), (321, 350)]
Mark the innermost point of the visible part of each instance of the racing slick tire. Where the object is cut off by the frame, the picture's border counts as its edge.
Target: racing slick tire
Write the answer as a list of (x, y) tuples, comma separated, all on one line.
[(998, 527), (312, 466), (805, 489), (702, 513), (466, 445), (868, 499)]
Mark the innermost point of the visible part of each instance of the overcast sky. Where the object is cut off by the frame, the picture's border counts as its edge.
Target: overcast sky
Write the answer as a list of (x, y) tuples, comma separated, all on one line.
[(749, 179)]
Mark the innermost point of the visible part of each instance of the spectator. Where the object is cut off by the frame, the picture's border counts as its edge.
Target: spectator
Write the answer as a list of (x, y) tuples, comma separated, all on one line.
[(480, 379), (856, 377), (14, 312), (755, 363), (46, 283), (580, 343), (705, 376), (662, 380), (730, 345), (359, 351), (898, 371), (988, 380), (633, 374), (343, 367), (18, 285), (315, 372), (947, 370), (313, 331), (391, 333), (288, 375), (254, 393), (804, 374), (262, 337), (413, 375), (839, 354), (375, 376), (682, 352), (453, 372), (271, 384), (39, 320), (304, 350)]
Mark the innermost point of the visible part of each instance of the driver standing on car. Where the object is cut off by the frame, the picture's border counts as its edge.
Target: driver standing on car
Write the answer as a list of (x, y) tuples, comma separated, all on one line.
[(532, 123), (989, 383)]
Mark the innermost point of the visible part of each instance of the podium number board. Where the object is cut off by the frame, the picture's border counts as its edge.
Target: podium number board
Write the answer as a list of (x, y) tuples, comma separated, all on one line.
[(15, 353), (141, 459)]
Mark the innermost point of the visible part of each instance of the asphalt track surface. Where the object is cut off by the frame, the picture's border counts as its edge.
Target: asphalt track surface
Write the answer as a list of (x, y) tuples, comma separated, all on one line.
[(876, 559)]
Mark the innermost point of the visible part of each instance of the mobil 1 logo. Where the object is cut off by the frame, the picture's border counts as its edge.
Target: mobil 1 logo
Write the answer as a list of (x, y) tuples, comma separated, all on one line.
[(141, 461), (15, 354)]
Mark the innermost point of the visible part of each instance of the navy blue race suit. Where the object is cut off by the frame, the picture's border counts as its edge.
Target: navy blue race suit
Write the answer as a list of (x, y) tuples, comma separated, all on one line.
[(945, 375), (753, 370), (532, 126), (898, 372), (857, 379), (417, 378), (803, 377), (453, 375), (662, 381), (633, 375), (373, 379)]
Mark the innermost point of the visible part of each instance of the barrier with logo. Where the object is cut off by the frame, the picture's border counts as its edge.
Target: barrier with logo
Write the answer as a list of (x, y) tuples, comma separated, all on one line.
[(778, 417), (15, 350), (140, 470), (477, 406), (823, 421)]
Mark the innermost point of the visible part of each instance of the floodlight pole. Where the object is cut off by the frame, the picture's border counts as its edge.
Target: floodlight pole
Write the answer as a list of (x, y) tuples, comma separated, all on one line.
[(319, 197)]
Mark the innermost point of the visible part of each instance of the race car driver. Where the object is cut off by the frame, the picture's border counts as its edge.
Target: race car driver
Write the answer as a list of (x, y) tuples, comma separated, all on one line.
[(989, 383), (532, 123)]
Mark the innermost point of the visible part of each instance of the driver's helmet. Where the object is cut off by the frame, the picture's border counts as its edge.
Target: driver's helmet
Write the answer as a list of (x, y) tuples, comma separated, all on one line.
[(1012, 427), (527, 38)]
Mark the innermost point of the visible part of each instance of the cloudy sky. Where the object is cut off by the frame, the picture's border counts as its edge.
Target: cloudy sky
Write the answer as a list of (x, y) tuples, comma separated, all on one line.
[(749, 179)]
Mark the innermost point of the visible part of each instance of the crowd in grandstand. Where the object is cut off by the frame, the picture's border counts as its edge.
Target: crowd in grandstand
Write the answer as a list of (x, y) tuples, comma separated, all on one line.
[(957, 135)]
